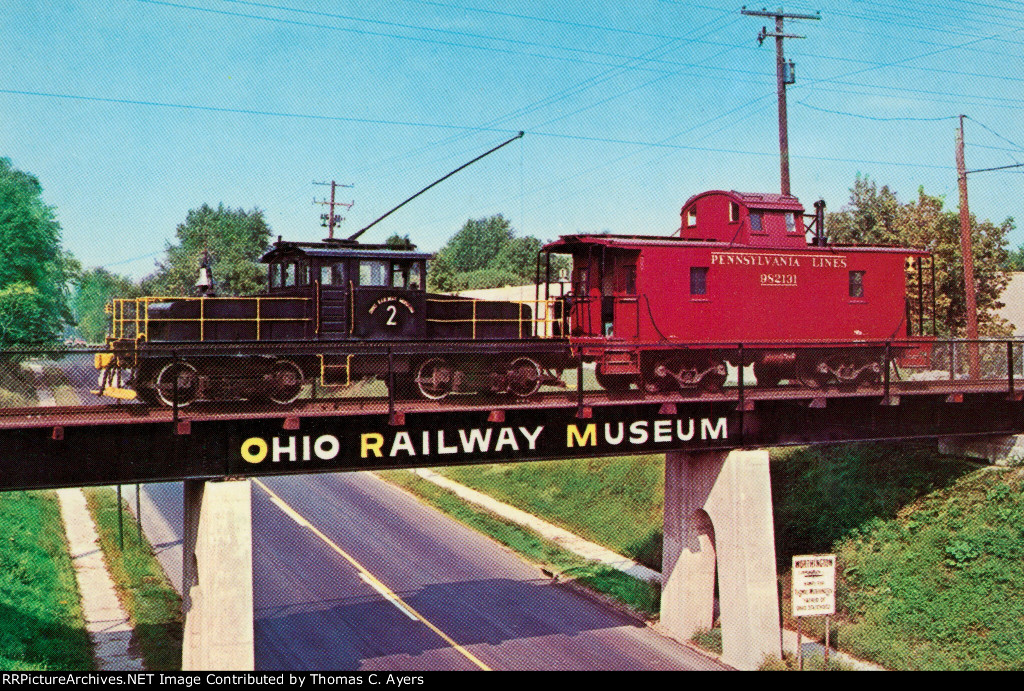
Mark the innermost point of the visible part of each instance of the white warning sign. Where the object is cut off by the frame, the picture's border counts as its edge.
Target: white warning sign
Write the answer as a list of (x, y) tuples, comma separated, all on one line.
[(814, 585)]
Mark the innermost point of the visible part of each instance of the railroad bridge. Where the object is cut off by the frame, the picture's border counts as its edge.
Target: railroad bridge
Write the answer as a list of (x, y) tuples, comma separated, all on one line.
[(717, 503)]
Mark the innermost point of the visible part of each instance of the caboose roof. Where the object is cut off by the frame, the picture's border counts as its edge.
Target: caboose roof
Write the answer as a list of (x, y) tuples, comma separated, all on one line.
[(568, 242), (755, 200)]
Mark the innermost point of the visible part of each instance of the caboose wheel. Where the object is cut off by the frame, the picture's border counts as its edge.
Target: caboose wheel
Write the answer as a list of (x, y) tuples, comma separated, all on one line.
[(613, 383), (523, 377), (809, 372), (286, 382), (180, 374), (434, 378)]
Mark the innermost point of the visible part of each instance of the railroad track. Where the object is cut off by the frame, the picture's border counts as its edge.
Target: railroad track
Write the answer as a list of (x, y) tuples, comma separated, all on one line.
[(138, 413)]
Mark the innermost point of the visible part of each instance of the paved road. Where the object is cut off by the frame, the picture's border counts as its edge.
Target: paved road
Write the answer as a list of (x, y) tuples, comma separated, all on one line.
[(381, 581)]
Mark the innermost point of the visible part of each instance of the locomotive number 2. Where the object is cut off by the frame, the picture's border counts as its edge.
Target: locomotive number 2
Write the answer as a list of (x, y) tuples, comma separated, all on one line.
[(394, 313)]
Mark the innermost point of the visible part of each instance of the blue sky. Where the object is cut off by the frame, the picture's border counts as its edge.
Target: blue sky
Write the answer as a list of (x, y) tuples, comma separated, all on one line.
[(131, 112)]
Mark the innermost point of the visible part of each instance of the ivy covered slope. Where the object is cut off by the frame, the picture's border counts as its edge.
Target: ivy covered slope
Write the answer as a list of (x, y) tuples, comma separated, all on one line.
[(941, 586)]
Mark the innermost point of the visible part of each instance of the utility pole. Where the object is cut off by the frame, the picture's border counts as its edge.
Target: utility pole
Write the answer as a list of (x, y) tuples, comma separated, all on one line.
[(967, 250), (329, 219), (784, 74)]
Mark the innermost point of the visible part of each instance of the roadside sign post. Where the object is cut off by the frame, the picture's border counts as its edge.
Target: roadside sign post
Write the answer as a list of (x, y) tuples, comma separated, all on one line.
[(814, 594)]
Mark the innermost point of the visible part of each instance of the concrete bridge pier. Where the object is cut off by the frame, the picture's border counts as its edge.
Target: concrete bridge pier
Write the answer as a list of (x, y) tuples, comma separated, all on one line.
[(216, 584), (718, 513)]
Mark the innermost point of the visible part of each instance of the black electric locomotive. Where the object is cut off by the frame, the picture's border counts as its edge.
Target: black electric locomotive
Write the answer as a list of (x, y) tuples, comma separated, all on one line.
[(335, 312)]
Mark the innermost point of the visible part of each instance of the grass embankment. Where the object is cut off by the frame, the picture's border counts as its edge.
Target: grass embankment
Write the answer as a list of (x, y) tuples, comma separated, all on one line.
[(145, 593), (941, 586), (616, 502), (41, 623), (922, 540), (638, 595)]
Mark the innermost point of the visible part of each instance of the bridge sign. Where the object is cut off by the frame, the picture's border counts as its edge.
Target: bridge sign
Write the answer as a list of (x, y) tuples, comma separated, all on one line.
[(814, 585)]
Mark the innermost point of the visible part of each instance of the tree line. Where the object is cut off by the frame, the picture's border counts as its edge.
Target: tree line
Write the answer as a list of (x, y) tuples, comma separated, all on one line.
[(46, 296)]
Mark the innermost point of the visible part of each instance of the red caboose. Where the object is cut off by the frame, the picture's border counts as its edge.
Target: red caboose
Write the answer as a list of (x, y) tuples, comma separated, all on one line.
[(668, 312)]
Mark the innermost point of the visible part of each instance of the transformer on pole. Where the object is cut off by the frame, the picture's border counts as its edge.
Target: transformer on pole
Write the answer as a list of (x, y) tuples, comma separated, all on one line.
[(785, 73)]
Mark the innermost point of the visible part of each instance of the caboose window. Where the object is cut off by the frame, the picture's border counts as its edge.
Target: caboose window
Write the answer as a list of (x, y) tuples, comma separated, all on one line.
[(756, 222), (581, 286), (734, 212), (691, 217), (373, 272), (790, 222), (698, 280), (856, 284), (629, 279)]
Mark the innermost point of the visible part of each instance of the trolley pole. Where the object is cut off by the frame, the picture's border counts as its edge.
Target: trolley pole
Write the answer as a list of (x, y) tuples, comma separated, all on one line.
[(784, 75), (967, 250)]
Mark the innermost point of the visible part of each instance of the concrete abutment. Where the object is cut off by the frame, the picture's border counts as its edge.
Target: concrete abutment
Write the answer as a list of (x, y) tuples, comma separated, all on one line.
[(718, 513), (217, 592)]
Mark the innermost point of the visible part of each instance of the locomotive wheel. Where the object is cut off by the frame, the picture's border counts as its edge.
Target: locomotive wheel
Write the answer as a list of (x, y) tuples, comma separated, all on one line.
[(434, 378), (187, 379), (147, 395), (285, 383), (523, 377)]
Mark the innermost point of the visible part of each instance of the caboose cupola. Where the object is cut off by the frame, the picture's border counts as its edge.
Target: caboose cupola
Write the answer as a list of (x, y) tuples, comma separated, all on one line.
[(743, 218)]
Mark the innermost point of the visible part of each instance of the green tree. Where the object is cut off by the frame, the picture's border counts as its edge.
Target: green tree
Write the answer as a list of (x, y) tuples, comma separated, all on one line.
[(485, 253), (235, 240), (1015, 259), (95, 289), (869, 218), (399, 242), (35, 271), (876, 216)]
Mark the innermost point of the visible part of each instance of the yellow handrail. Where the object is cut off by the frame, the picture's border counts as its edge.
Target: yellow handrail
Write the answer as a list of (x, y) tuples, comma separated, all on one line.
[(543, 325), (138, 315)]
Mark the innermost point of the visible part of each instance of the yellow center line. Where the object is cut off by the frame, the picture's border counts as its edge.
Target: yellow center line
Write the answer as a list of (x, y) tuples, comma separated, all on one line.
[(368, 577)]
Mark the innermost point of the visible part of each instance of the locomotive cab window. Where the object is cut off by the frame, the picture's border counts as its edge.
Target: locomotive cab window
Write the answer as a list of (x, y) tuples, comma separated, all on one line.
[(399, 275), (373, 272), (275, 275), (289, 275), (856, 284), (415, 276), (332, 274)]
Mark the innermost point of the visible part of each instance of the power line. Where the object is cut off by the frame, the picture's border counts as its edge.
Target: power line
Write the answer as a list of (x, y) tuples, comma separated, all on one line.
[(250, 111), (876, 119), (452, 44), (986, 127)]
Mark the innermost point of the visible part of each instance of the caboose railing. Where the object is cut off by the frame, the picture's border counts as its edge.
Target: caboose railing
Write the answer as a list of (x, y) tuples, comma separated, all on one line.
[(131, 318), (541, 323)]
